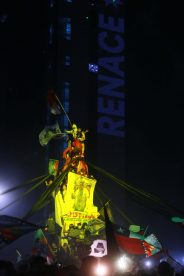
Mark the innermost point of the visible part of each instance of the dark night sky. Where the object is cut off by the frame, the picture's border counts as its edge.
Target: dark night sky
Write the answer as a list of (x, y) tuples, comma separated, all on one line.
[(155, 66), (155, 101), (23, 34), (23, 105)]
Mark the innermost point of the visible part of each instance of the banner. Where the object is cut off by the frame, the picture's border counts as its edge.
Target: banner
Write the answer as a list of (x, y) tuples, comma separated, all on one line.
[(74, 200)]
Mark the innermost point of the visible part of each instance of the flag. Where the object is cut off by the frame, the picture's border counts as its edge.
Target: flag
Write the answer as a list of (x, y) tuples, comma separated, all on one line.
[(178, 220), (135, 242), (43, 247), (53, 166), (118, 229), (126, 232), (53, 103), (50, 132), (136, 231), (128, 242), (40, 237), (152, 245), (119, 238), (130, 245), (148, 249), (112, 245), (40, 244), (12, 228), (134, 228)]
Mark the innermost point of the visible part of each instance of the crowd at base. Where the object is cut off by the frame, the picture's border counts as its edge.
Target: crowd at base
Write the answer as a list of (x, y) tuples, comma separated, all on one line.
[(89, 266)]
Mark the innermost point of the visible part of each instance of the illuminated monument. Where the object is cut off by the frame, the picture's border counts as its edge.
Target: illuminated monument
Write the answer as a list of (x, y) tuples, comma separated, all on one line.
[(86, 70), (73, 193)]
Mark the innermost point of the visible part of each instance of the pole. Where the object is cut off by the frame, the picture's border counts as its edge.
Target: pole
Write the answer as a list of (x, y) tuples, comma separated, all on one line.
[(63, 110)]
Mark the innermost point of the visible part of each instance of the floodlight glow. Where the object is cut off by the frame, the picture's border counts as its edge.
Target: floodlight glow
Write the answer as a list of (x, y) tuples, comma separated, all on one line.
[(5, 196), (101, 270), (148, 263), (124, 263), (182, 259)]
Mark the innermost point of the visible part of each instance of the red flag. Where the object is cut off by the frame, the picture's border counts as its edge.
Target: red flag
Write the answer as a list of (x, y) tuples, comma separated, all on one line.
[(130, 245), (148, 249)]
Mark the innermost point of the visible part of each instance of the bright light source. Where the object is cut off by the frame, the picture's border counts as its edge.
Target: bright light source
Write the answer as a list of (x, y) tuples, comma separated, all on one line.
[(124, 263), (101, 270), (148, 263)]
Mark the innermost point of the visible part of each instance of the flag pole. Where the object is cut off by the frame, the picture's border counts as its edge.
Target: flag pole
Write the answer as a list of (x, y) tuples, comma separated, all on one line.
[(145, 231), (19, 256), (63, 110), (18, 253)]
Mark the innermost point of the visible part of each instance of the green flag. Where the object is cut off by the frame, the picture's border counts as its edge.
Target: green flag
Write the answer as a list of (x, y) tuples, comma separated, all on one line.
[(53, 166), (40, 237), (177, 219), (134, 228)]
